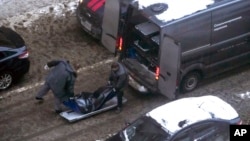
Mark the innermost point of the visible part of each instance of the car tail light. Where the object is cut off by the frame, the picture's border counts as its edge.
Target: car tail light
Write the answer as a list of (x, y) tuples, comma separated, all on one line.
[(157, 73), (25, 54), (91, 3), (119, 43), (98, 5), (95, 4)]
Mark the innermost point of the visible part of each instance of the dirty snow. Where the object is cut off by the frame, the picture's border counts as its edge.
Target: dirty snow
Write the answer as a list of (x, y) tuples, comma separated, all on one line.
[(245, 95), (13, 18), (9, 9)]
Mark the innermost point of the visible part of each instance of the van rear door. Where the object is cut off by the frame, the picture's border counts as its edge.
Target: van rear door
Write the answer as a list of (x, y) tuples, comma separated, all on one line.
[(170, 53), (110, 24)]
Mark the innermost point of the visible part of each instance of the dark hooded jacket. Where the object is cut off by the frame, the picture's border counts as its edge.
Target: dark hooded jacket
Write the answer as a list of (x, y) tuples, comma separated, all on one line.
[(61, 79), (119, 79)]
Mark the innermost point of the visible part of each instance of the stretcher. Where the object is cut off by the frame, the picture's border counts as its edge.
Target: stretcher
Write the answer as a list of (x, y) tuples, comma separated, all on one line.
[(72, 116)]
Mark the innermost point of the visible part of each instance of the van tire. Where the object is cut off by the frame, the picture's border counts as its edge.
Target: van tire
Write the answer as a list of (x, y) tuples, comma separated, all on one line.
[(190, 81)]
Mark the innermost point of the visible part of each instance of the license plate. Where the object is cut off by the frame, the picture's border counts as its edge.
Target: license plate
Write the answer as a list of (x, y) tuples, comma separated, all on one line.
[(86, 24)]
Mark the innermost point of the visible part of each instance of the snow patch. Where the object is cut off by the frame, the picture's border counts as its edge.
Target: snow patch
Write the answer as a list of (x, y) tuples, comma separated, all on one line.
[(244, 95), (2, 2), (26, 19)]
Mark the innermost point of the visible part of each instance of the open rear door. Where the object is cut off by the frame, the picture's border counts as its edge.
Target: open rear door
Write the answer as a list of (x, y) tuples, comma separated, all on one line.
[(110, 24), (170, 53)]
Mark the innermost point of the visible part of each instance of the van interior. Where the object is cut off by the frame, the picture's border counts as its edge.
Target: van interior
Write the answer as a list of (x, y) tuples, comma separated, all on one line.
[(143, 42)]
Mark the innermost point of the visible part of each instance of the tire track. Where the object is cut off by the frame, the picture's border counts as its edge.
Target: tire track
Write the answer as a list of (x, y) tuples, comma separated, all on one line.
[(47, 131), (12, 114), (62, 130)]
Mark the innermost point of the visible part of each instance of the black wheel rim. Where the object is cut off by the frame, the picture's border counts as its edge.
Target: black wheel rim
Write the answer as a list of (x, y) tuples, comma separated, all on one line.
[(5, 81), (191, 83)]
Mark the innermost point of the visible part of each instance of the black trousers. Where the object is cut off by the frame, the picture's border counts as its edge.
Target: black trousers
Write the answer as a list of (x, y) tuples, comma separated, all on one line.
[(119, 99)]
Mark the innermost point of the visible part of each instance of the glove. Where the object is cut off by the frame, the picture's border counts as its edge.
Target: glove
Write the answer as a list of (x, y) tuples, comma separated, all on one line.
[(46, 67), (114, 90)]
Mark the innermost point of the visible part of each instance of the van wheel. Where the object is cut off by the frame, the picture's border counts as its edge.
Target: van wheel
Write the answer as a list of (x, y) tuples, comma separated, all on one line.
[(6, 80), (190, 82)]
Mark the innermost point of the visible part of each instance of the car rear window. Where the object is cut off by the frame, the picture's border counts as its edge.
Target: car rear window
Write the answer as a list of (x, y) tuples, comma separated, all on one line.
[(146, 129), (4, 54)]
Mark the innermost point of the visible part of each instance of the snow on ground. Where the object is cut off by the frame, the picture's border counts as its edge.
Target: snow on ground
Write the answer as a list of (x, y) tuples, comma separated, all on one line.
[(11, 8), (23, 13)]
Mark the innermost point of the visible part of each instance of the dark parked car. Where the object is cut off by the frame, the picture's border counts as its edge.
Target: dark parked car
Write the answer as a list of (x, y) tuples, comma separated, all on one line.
[(205, 118), (14, 62), (90, 14)]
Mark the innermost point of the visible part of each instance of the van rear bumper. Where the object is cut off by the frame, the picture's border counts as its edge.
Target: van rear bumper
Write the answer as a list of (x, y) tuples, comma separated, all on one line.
[(137, 86)]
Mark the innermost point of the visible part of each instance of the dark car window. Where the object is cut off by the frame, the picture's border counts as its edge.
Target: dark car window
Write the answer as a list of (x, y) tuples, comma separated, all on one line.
[(211, 131), (1, 55), (9, 53), (203, 129), (4, 54), (183, 136), (145, 129), (221, 136), (221, 133)]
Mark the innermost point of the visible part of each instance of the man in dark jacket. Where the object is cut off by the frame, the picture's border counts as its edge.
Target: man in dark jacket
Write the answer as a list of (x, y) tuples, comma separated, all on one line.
[(60, 80), (119, 79)]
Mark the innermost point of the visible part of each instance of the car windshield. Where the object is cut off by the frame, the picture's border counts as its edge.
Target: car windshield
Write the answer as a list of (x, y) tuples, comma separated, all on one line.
[(144, 129)]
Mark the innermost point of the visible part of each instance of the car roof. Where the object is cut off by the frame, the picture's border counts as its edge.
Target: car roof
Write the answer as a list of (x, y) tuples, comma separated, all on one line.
[(10, 38), (176, 8), (164, 12), (192, 110)]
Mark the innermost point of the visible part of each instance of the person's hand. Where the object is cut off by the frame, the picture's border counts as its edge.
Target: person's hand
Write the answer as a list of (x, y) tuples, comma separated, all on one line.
[(46, 67)]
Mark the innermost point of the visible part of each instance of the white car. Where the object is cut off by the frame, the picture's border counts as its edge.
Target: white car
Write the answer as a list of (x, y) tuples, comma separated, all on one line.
[(205, 118)]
